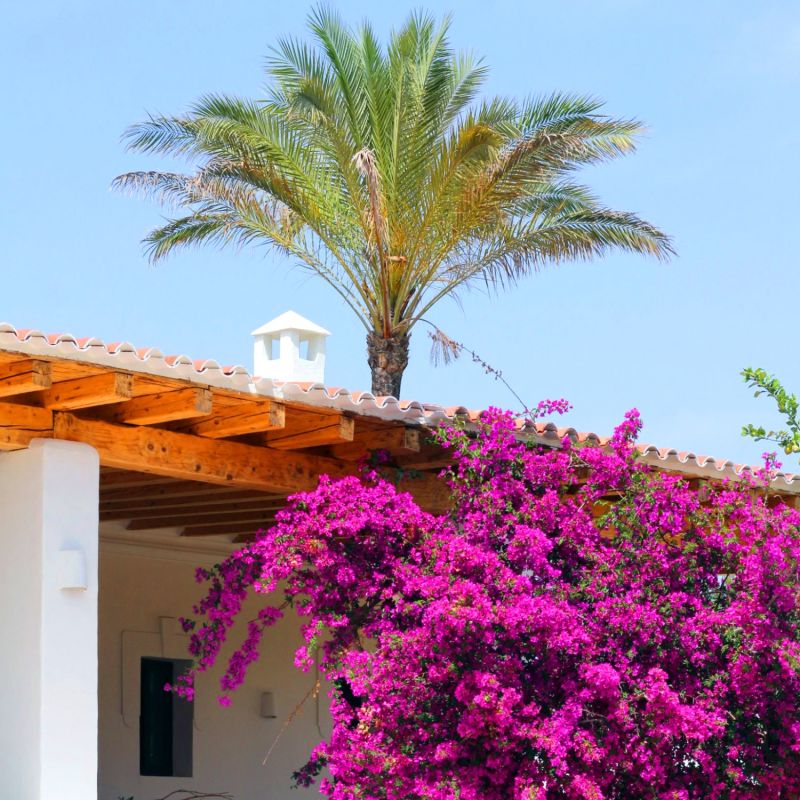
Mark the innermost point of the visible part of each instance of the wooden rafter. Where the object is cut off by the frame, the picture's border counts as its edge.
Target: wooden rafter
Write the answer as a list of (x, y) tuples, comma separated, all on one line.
[(28, 375), (120, 478), (96, 390), (310, 429), (126, 509), (396, 440), (248, 506), (238, 420), (223, 530), (252, 518), (430, 457), (170, 490), (179, 404), (20, 424)]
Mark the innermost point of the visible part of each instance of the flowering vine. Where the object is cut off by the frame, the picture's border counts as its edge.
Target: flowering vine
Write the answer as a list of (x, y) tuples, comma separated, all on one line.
[(578, 627)]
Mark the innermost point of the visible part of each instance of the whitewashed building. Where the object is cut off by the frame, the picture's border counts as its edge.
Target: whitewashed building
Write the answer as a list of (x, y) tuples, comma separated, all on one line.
[(121, 471)]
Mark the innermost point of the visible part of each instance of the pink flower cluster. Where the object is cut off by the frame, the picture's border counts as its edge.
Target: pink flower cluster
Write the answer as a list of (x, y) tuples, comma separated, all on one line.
[(546, 407), (578, 628)]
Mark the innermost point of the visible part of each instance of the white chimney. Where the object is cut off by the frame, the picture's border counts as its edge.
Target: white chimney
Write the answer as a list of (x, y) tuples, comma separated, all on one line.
[(290, 348)]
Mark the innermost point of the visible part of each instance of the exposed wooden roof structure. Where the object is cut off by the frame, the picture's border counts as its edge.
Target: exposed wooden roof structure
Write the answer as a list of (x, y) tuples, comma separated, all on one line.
[(207, 460), (211, 452)]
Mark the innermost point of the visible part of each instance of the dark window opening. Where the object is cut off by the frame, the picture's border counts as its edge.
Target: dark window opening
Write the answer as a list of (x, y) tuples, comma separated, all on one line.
[(165, 721)]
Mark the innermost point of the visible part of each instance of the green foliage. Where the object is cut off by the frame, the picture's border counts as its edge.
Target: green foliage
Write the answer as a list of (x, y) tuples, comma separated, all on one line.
[(379, 169), (787, 404)]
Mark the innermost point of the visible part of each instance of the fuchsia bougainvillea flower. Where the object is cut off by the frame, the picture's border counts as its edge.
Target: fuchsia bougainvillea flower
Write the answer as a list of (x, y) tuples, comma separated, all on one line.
[(578, 627)]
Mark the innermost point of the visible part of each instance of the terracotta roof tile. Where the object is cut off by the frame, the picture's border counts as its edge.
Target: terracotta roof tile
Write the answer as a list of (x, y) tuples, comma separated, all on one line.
[(149, 360)]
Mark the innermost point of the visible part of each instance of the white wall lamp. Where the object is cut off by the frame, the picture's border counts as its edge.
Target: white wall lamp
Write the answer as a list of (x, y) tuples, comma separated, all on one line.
[(268, 705), (72, 570)]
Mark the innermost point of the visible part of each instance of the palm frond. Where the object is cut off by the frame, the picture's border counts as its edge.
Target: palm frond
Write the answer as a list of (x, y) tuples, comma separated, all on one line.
[(173, 135), (342, 52), (193, 229)]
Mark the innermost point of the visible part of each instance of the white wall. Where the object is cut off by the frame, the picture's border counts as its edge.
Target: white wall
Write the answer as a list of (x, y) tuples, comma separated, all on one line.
[(138, 587), (48, 668)]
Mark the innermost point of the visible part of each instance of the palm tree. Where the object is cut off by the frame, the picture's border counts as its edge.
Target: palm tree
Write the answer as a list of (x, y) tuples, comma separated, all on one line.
[(380, 170)]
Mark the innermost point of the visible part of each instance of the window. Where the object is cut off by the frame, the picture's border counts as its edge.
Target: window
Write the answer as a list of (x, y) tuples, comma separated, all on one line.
[(165, 721)]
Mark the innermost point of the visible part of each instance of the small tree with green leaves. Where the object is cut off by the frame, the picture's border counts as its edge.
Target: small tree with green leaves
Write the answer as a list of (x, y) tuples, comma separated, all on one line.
[(764, 383)]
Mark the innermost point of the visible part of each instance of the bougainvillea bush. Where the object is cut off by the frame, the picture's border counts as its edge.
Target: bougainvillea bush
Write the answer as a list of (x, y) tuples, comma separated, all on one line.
[(577, 627)]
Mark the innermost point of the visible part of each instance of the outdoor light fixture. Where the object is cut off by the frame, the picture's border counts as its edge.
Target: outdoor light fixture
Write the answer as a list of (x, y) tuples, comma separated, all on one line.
[(72, 570), (268, 705)]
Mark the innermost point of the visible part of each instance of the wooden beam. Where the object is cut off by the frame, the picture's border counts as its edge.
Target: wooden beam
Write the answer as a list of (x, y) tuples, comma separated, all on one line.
[(248, 506), (194, 458), (178, 455), (164, 505), (304, 429), (237, 420), (97, 390), (193, 491), (599, 509), (252, 518), (20, 424), (430, 457), (429, 491), (154, 409), (28, 375), (223, 530), (111, 478), (395, 440), (244, 538)]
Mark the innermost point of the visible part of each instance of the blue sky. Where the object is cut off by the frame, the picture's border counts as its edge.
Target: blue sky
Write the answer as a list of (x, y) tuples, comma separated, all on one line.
[(716, 83)]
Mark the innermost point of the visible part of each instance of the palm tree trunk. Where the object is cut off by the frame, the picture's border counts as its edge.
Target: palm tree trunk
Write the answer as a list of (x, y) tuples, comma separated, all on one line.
[(388, 359)]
